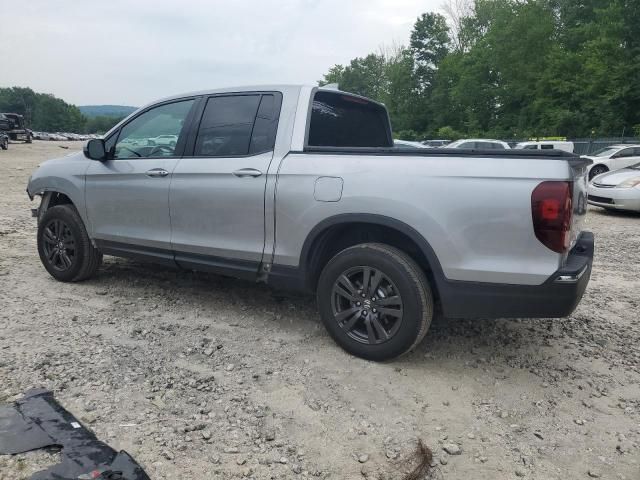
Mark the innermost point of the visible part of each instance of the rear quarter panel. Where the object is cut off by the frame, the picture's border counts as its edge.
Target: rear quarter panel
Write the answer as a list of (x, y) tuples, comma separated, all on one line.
[(474, 212)]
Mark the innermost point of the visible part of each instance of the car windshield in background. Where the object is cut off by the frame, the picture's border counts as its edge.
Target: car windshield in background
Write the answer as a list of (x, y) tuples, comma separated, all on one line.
[(605, 152)]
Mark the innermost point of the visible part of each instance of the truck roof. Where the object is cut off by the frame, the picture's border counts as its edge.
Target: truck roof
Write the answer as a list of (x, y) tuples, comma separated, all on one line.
[(287, 89)]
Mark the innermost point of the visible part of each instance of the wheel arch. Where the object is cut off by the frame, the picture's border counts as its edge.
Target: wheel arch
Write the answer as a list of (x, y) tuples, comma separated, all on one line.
[(341, 231), (52, 198), (596, 165)]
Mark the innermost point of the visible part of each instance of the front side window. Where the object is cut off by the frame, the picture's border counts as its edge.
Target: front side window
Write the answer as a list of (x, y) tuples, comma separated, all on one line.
[(154, 133)]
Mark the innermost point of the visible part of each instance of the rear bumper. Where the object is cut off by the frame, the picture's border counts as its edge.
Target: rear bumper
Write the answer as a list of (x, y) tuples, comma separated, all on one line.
[(557, 297)]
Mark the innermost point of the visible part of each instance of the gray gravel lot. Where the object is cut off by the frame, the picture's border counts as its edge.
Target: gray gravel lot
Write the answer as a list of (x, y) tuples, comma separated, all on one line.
[(199, 376)]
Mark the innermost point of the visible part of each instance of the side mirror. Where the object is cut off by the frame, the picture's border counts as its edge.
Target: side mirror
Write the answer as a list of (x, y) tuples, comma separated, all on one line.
[(95, 149)]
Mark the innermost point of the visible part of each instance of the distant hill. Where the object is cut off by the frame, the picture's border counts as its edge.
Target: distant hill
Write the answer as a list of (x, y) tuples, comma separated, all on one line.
[(106, 110)]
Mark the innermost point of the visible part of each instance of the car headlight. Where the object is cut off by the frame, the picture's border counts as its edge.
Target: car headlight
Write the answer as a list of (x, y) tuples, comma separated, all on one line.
[(632, 182)]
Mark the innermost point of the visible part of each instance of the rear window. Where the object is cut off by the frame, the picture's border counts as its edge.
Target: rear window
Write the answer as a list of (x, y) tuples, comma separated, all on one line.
[(339, 120)]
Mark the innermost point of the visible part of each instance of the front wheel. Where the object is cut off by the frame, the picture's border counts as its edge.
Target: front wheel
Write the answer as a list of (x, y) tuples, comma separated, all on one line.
[(597, 170), (375, 301), (64, 245)]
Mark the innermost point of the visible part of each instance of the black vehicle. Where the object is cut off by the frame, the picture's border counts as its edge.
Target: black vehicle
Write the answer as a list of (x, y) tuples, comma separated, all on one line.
[(12, 124), (4, 141)]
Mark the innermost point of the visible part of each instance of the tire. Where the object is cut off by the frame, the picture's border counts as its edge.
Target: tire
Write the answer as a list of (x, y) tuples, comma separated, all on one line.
[(64, 246), (597, 170), (375, 335)]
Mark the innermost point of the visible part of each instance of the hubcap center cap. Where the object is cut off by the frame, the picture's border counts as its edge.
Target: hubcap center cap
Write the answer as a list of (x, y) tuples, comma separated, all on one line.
[(367, 304)]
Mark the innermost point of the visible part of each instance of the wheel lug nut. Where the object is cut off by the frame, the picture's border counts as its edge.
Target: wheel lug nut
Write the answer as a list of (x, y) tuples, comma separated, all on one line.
[(373, 299), (358, 303), (363, 295), (374, 310)]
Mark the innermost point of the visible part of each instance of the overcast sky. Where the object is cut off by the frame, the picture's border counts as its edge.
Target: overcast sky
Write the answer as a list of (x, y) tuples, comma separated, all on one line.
[(134, 51)]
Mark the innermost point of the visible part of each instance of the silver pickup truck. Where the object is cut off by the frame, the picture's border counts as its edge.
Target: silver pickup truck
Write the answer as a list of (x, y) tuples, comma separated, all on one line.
[(300, 187)]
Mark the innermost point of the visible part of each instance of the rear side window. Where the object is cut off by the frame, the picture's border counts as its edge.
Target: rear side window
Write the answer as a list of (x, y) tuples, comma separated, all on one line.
[(627, 152), (238, 125), (339, 120), (225, 128), (546, 147)]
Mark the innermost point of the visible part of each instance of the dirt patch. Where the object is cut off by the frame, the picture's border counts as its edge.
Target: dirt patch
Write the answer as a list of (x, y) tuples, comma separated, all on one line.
[(200, 376)]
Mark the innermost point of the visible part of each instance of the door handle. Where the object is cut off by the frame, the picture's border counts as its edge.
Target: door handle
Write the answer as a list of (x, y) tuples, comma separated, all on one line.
[(247, 172), (157, 172)]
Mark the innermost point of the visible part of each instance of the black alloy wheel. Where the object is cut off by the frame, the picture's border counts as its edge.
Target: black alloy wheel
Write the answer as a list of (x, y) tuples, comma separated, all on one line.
[(59, 245), (367, 305), (64, 247), (375, 301)]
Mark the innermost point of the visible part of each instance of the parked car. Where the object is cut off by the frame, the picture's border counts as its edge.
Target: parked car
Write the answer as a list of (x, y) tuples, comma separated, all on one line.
[(4, 141), (546, 145), (40, 136), (407, 144), (169, 140), (435, 143), (301, 188), (479, 144), (614, 157), (619, 190)]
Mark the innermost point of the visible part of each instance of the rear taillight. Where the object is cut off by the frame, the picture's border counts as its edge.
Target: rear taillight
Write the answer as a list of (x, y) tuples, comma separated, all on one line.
[(551, 210)]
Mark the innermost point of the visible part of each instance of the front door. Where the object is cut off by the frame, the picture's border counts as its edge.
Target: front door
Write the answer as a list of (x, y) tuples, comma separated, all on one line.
[(217, 192), (127, 195)]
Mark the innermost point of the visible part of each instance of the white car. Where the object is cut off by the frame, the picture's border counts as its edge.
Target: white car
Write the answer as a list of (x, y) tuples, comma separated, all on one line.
[(546, 145), (169, 140), (408, 144), (479, 144), (614, 157), (619, 190)]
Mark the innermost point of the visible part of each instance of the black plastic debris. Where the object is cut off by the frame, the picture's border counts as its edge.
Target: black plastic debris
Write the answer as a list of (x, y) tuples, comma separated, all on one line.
[(39, 421)]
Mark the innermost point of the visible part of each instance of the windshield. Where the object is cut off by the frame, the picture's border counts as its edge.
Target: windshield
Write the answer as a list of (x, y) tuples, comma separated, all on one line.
[(605, 152)]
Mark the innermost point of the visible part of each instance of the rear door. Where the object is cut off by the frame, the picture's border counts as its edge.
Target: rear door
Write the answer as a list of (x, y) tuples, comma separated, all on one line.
[(217, 191), (127, 195)]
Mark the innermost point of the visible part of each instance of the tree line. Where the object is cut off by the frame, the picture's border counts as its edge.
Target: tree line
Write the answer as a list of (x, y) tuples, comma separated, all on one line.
[(46, 113), (509, 69)]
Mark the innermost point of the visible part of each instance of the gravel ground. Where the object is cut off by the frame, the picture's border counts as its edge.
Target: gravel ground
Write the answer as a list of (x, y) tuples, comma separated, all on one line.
[(199, 376)]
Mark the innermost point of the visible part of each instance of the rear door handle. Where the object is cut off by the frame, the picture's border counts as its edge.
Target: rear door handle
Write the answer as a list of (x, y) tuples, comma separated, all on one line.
[(157, 172), (247, 172)]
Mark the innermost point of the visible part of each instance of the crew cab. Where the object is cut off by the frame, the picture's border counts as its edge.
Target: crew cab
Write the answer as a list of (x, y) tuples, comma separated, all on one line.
[(302, 188)]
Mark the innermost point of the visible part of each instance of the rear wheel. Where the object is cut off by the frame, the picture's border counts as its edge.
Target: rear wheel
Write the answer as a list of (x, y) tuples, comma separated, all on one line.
[(597, 170), (375, 301), (64, 246)]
